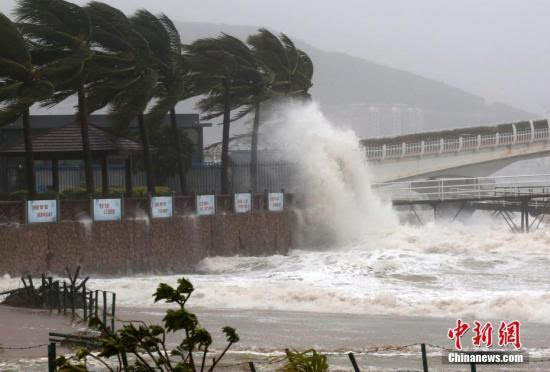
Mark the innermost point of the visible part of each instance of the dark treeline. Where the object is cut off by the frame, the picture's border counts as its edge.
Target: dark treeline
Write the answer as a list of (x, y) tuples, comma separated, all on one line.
[(137, 67)]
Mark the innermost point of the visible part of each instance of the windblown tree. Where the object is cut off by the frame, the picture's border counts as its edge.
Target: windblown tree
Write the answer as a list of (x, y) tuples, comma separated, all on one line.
[(21, 85), (173, 85), (129, 85), (225, 68), (61, 35), (290, 71)]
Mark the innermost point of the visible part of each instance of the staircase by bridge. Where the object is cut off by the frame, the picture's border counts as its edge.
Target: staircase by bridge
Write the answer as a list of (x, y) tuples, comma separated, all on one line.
[(466, 152)]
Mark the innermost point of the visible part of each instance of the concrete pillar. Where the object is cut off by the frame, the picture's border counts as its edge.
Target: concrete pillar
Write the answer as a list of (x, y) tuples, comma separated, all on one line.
[(384, 150), (514, 129), (532, 130), (55, 175)]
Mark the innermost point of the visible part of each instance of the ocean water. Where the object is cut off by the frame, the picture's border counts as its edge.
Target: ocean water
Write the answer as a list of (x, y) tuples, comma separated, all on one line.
[(353, 254)]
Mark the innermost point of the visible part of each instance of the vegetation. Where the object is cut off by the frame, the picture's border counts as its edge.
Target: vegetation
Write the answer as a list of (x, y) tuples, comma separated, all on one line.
[(147, 343), (137, 67)]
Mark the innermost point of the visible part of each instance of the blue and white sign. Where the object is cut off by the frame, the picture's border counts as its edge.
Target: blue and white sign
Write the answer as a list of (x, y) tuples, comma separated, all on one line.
[(275, 201), (107, 210), (161, 206), (39, 211), (206, 205), (243, 202)]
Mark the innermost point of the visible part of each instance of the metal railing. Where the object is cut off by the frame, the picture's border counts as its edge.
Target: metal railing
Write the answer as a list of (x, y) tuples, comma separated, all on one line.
[(462, 143), (464, 188)]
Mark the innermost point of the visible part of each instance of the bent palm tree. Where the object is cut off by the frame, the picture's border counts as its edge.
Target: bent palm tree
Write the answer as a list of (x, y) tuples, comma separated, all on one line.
[(223, 67), (165, 42), (61, 33), (21, 86), (128, 86), (290, 70)]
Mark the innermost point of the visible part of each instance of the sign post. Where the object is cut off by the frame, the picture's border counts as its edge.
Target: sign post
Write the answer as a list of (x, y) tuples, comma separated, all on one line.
[(275, 201), (107, 209), (243, 202), (39, 211), (206, 205), (162, 206)]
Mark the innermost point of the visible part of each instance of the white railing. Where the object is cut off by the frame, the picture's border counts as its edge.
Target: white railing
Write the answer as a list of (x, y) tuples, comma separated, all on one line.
[(464, 188), (462, 143)]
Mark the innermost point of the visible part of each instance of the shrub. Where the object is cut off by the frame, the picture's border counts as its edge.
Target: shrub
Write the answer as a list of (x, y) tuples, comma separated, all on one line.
[(307, 361), (141, 191), (147, 342)]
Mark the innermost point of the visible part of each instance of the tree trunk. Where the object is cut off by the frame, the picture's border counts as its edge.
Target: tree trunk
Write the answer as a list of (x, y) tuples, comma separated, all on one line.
[(179, 151), (225, 139), (254, 149), (29, 155), (146, 154), (83, 118)]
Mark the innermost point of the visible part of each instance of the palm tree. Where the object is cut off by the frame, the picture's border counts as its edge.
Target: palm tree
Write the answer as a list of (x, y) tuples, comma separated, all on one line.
[(129, 86), (165, 42), (290, 71), (21, 86), (223, 67), (61, 33)]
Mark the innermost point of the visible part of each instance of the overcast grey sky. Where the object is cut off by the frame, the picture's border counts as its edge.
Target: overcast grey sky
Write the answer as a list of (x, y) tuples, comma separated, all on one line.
[(498, 49)]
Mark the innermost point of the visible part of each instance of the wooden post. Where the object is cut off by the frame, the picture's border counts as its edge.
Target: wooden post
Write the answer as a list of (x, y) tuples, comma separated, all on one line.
[(105, 175), (424, 357), (472, 367), (85, 304), (353, 362), (51, 357), (113, 300), (104, 308), (64, 298), (96, 302), (252, 367), (55, 175)]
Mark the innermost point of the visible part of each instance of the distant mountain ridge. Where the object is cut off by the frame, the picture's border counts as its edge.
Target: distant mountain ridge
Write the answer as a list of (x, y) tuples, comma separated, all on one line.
[(374, 100), (377, 100)]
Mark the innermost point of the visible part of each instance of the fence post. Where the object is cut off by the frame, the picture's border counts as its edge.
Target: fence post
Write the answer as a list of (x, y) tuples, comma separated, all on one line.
[(85, 304), (424, 357), (113, 300), (252, 367), (104, 308), (472, 367), (51, 357), (353, 362)]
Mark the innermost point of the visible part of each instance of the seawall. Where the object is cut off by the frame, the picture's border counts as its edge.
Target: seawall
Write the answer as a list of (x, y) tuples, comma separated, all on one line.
[(142, 246)]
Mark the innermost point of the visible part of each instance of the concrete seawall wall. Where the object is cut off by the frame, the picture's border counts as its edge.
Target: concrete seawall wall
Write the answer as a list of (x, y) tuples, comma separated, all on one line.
[(139, 246)]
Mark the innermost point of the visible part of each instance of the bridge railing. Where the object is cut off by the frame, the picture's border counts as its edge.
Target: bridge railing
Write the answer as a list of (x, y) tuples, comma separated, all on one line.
[(457, 144), (464, 188)]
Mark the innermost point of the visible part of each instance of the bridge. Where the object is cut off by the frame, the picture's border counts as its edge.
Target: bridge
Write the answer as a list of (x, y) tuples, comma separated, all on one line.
[(465, 152), (528, 195)]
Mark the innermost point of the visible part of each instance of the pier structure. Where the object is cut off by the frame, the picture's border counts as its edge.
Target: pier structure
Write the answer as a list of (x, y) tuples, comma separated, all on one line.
[(528, 195)]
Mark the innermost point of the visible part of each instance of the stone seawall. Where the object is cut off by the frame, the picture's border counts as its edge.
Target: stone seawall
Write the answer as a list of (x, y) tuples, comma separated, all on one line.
[(140, 246)]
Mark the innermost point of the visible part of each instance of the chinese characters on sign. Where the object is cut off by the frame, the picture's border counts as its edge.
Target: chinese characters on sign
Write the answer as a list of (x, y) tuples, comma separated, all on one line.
[(107, 210), (161, 206), (243, 203), (508, 334), (206, 205), (41, 211), (275, 201)]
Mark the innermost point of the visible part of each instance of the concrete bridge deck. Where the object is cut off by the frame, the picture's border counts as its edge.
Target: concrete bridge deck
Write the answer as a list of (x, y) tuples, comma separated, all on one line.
[(467, 152)]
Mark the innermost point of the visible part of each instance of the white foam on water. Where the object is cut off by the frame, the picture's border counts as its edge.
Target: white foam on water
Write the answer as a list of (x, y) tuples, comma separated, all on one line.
[(369, 263)]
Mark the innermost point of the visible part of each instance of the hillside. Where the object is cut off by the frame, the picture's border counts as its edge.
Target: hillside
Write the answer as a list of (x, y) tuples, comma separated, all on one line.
[(377, 100), (373, 99)]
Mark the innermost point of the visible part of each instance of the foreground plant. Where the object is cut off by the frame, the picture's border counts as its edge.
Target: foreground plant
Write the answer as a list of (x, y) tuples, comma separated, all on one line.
[(147, 343), (307, 361)]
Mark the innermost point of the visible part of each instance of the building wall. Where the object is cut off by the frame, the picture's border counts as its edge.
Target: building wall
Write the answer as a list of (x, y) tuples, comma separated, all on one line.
[(141, 246)]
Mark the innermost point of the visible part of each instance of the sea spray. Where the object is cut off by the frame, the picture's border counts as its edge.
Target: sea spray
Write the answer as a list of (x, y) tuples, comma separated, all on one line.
[(332, 178)]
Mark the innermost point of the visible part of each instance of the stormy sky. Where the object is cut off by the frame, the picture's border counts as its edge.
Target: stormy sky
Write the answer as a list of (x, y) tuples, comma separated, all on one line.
[(498, 49)]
